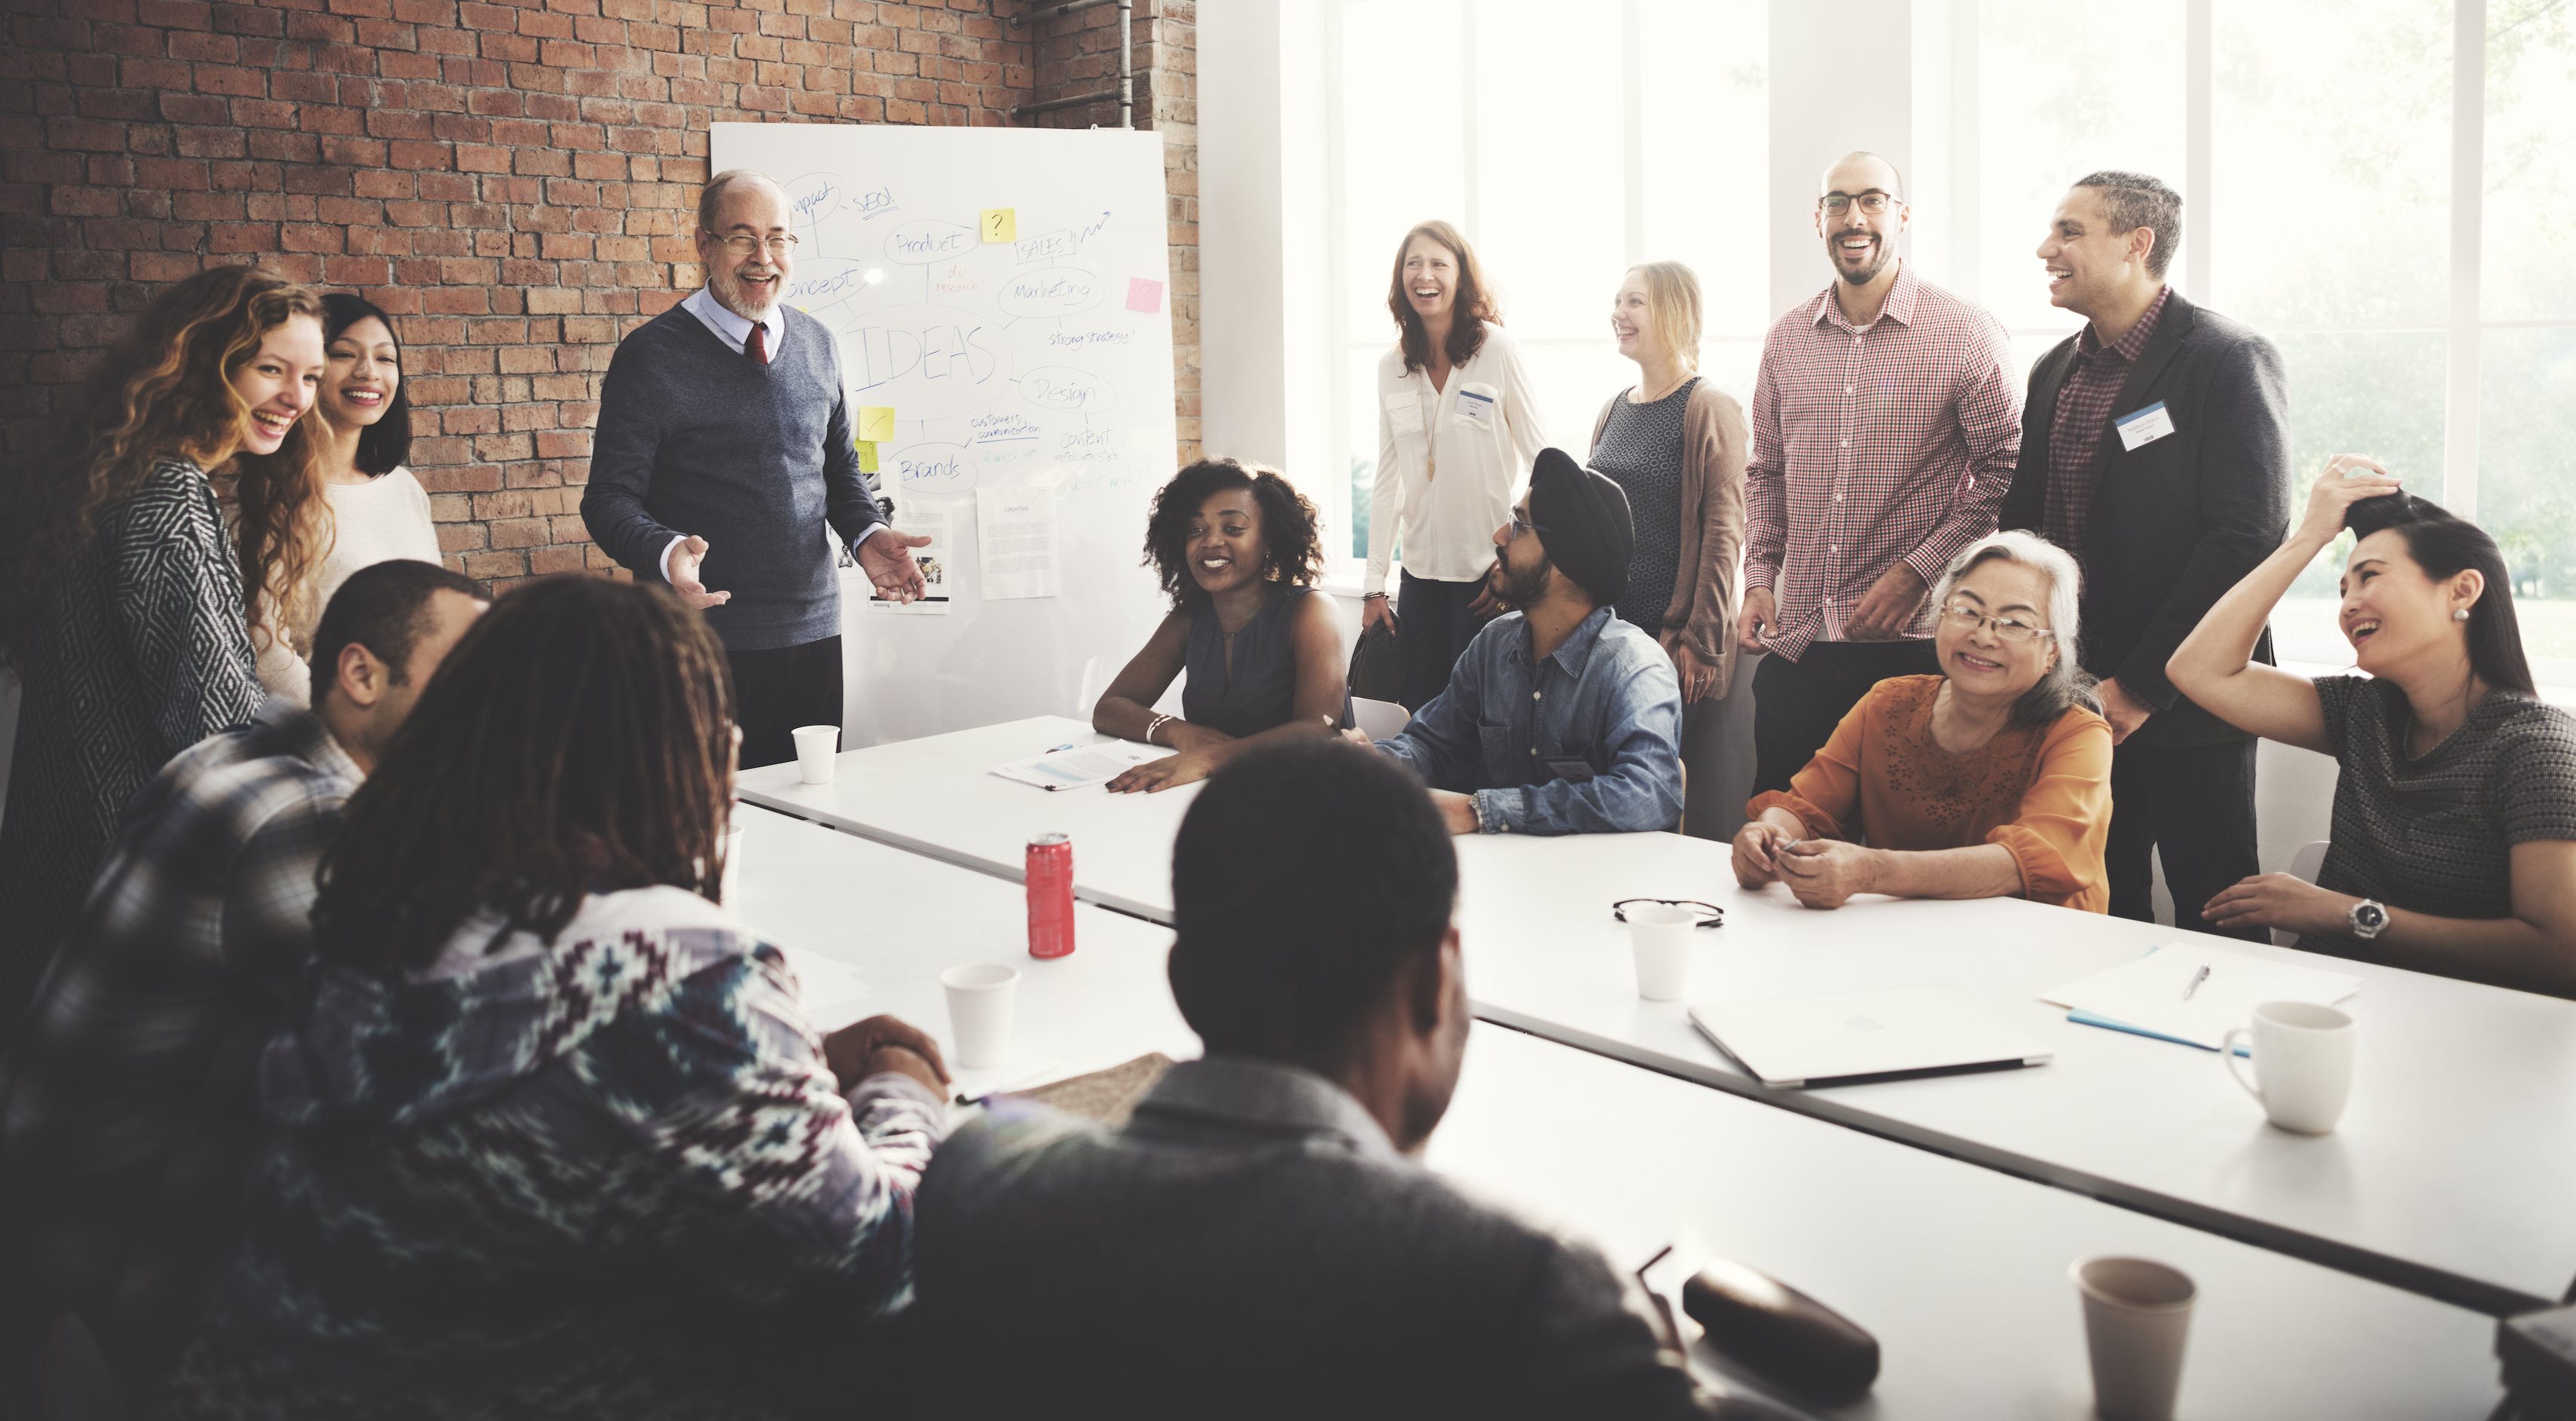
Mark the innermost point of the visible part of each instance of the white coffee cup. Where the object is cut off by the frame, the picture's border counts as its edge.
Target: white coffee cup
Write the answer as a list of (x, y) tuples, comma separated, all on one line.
[(732, 877), (979, 1013), (2303, 1057), (1659, 934), (2136, 1313), (816, 745)]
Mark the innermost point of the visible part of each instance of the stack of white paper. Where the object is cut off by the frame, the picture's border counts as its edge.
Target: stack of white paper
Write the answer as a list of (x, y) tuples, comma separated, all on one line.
[(2149, 995), (1080, 766)]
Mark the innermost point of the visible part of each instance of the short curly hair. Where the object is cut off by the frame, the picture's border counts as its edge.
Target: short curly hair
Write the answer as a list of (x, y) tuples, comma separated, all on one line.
[(1289, 526)]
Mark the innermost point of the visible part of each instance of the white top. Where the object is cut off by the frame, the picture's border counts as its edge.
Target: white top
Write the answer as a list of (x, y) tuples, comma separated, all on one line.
[(1450, 462), (385, 518)]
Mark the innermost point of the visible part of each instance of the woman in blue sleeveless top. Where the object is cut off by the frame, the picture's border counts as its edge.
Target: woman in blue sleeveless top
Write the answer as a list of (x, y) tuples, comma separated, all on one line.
[(1238, 553)]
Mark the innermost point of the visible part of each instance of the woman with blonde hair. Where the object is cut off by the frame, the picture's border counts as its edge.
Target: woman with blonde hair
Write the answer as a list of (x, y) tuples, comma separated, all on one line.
[(1676, 444), (1457, 434), (123, 603)]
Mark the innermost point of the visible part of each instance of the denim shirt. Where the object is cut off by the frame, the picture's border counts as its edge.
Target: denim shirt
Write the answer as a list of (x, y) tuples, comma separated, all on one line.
[(1607, 697)]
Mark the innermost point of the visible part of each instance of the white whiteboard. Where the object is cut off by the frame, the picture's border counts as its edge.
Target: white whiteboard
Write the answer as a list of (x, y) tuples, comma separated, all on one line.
[(1027, 363)]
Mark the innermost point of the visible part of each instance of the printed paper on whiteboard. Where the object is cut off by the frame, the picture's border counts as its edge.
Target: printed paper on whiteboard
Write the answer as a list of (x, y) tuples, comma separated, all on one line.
[(1015, 528), (940, 575)]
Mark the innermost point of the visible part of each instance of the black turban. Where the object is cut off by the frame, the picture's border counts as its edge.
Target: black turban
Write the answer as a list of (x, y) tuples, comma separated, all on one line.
[(1582, 519)]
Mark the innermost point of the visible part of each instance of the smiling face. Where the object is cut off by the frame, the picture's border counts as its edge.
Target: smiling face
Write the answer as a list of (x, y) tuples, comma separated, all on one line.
[(279, 382), (1858, 242), (1430, 278), (2393, 613), (2087, 263), (748, 283), (1979, 659), (1632, 321), (364, 376), (1225, 546)]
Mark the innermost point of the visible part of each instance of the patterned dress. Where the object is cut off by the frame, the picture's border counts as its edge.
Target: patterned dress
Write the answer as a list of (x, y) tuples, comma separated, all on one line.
[(1640, 448), (142, 649), (607, 1177)]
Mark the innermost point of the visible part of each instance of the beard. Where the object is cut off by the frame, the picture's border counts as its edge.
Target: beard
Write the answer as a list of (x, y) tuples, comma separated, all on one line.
[(752, 303), (1884, 253), (1519, 590)]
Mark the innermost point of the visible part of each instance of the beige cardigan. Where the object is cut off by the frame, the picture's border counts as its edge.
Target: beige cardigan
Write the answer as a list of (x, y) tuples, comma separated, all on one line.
[(1714, 445)]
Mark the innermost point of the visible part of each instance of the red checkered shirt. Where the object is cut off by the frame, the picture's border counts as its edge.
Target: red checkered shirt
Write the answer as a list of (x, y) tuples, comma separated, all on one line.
[(1873, 447), (2075, 430)]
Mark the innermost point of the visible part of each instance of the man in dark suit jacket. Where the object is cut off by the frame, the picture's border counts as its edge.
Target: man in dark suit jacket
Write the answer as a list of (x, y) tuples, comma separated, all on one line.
[(1255, 1242), (2154, 450)]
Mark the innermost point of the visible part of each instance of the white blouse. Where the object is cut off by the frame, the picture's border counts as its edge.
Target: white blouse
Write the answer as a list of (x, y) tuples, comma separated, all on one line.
[(385, 518), (1450, 462)]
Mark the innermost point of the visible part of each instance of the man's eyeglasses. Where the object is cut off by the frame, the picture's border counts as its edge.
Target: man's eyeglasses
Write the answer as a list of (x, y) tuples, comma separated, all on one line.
[(1872, 202), (1522, 525), (1960, 614), (744, 246)]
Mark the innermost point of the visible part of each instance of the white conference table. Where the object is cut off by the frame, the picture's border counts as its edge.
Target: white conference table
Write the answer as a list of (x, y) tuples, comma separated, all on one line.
[(2448, 1175), (1974, 1313), (1960, 1272)]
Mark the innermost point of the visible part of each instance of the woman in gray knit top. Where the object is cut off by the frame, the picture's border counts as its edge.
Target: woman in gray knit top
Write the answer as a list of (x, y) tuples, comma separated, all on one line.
[(2454, 842)]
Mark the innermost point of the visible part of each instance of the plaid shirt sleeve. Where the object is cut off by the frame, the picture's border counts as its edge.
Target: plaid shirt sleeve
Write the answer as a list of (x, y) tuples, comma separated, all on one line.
[(268, 900), (1989, 416), (1766, 497)]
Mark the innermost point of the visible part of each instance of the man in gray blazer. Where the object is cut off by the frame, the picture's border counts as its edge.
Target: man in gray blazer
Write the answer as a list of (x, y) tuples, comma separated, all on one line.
[(2155, 448), (1255, 1241)]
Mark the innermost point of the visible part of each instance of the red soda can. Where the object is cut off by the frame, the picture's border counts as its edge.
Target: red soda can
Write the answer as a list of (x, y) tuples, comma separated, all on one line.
[(1050, 875)]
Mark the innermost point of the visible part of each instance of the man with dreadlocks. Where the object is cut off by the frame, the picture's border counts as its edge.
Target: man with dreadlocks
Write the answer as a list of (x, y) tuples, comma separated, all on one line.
[(556, 1139)]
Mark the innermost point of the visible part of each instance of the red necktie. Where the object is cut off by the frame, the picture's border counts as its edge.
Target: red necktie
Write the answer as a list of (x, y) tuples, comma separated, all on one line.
[(757, 347)]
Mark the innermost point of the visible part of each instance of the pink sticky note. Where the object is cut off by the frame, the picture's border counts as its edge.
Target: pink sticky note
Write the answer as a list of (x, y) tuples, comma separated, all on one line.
[(1143, 295)]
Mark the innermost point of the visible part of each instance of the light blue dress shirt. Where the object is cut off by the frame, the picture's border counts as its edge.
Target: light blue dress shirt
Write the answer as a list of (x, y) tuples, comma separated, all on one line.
[(1607, 697)]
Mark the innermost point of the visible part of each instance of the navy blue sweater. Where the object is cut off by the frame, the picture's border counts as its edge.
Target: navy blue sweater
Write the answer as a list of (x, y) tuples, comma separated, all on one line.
[(696, 437)]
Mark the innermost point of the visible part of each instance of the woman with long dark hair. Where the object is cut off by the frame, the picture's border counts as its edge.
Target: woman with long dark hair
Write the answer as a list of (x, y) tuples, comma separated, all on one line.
[(123, 603), (2454, 840), (1457, 435), (556, 1140), (379, 512), (1238, 553)]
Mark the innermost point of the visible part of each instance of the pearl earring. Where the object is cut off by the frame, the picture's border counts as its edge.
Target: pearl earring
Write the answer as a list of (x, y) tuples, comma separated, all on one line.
[(2459, 614)]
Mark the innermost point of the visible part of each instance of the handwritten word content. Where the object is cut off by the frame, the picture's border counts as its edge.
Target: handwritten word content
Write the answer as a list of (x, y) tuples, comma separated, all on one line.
[(1050, 291), (943, 467), (915, 243), (1062, 387), (1002, 427)]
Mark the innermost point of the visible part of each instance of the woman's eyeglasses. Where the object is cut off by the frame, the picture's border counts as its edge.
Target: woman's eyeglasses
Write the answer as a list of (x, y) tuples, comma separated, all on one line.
[(1960, 614)]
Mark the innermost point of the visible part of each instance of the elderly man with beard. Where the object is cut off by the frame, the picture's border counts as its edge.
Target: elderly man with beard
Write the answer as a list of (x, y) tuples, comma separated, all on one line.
[(1560, 718), (724, 449), (1884, 435)]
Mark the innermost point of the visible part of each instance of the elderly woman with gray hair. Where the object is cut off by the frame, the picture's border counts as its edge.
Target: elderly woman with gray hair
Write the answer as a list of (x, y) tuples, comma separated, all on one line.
[(1988, 780)]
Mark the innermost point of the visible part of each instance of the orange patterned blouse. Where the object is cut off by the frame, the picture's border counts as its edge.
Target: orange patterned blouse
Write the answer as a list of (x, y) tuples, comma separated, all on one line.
[(2041, 791)]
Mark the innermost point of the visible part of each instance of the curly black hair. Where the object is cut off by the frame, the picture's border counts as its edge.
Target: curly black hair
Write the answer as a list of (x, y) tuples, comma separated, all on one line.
[(1293, 546)]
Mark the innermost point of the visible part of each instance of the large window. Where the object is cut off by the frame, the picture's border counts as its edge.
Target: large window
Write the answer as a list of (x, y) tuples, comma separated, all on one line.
[(2378, 199), (1565, 152)]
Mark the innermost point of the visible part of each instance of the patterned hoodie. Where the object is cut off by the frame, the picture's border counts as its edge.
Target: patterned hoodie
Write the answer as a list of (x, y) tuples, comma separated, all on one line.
[(608, 1177)]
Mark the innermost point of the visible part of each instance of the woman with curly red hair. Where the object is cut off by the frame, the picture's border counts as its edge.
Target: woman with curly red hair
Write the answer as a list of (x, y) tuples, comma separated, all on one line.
[(123, 601), (1239, 555)]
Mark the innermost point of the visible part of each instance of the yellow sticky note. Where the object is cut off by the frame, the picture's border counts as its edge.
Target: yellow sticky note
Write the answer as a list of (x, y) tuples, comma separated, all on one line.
[(999, 224), (876, 423), (867, 457)]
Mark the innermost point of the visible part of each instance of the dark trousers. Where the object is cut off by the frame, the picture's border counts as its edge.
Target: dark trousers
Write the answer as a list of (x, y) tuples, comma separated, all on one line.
[(2193, 805), (777, 691), (1797, 704), (1434, 629)]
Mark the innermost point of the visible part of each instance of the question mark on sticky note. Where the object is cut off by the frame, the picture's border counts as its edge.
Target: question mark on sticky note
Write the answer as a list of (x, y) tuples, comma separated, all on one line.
[(1000, 224)]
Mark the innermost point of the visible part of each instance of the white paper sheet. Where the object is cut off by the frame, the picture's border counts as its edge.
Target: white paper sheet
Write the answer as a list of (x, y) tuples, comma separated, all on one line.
[(1080, 766), (831, 993), (2148, 993), (941, 575), (1017, 537)]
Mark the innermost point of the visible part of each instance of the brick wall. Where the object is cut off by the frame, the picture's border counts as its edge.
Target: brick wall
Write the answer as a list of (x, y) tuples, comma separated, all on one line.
[(511, 179)]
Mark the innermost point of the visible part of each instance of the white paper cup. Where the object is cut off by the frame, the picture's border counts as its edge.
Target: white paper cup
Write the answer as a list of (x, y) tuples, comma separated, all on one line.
[(2136, 1313), (979, 1013), (1660, 936), (2303, 1059), (816, 745), (732, 877)]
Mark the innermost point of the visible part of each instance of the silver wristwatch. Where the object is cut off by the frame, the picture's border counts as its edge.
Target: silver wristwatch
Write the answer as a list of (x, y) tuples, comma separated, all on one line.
[(2367, 919)]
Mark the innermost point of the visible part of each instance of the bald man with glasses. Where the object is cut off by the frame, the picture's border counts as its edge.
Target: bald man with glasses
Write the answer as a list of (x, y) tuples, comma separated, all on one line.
[(724, 466)]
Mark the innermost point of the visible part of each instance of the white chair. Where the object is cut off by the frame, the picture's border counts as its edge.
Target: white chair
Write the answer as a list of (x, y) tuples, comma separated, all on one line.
[(1379, 718), (2303, 866)]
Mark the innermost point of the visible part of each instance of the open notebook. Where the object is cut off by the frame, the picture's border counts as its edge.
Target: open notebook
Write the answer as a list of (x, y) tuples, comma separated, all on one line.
[(2147, 996)]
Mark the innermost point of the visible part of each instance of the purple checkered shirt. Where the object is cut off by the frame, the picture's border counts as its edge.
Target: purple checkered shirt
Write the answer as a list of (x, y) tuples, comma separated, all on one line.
[(2075, 431), (1871, 447)]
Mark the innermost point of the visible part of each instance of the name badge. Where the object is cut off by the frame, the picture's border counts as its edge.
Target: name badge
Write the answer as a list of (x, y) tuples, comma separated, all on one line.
[(1476, 409), (2140, 428)]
